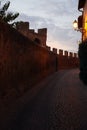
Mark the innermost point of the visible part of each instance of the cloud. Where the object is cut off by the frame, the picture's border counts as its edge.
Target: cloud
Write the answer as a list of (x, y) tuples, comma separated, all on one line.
[(55, 15), (60, 37)]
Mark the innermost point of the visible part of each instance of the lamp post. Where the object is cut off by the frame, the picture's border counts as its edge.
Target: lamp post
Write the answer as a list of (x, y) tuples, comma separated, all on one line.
[(77, 28), (75, 25)]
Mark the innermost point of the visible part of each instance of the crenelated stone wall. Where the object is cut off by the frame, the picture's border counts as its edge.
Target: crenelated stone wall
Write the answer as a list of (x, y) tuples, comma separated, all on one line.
[(40, 37), (67, 61), (24, 63)]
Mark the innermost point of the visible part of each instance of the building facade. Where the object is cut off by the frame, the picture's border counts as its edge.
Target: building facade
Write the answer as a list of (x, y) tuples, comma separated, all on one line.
[(82, 19)]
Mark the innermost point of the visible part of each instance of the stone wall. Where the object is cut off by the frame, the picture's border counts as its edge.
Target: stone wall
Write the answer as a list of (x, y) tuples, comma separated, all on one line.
[(24, 63), (40, 37), (67, 61)]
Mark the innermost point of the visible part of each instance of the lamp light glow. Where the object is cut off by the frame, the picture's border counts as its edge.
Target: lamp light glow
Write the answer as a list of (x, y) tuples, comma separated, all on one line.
[(75, 25)]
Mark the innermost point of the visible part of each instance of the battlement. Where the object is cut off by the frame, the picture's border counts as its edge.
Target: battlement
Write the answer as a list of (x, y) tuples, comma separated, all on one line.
[(64, 53), (40, 38), (41, 35), (42, 31), (23, 63), (22, 25)]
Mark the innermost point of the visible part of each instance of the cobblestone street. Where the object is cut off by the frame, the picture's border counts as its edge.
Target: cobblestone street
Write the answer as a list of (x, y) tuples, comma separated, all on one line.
[(59, 102)]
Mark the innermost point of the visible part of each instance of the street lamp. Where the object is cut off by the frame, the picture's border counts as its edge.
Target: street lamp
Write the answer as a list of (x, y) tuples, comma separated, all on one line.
[(75, 25), (78, 26)]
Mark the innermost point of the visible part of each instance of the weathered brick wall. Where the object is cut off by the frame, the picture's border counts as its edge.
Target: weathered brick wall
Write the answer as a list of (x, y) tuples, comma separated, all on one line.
[(68, 60), (24, 63), (23, 27)]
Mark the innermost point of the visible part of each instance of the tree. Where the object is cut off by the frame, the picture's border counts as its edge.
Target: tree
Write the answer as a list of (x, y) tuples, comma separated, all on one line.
[(7, 17)]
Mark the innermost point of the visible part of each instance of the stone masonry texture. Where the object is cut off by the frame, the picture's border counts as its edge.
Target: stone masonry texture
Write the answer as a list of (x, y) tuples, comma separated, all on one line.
[(23, 63)]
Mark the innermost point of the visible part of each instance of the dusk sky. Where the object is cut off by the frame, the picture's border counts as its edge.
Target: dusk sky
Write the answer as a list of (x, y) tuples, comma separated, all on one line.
[(55, 15)]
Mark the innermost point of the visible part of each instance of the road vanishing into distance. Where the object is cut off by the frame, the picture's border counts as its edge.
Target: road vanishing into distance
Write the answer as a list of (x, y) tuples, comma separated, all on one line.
[(59, 102)]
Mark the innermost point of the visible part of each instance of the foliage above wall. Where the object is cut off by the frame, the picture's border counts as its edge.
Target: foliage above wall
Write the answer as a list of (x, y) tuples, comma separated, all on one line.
[(6, 16)]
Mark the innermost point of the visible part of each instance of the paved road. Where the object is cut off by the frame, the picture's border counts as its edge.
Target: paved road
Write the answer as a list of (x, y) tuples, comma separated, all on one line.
[(57, 103)]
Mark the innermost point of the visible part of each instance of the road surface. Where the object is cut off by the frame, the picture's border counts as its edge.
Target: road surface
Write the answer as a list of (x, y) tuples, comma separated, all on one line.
[(59, 102)]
